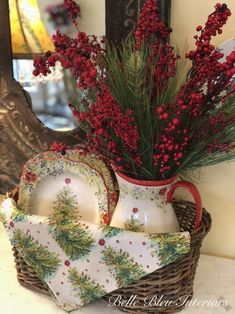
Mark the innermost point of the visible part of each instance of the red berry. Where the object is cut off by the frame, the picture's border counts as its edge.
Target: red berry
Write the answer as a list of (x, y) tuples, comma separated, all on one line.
[(175, 121), (135, 210), (166, 158), (36, 72), (159, 110), (93, 72)]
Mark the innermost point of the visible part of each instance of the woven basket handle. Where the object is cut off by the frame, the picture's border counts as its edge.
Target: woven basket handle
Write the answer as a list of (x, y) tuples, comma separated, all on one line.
[(196, 195)]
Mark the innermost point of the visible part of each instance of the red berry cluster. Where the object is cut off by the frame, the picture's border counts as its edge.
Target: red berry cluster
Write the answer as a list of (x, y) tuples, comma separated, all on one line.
[(197, 112), (212, 27), (59, 147), (215, 127), (166, 64), (113, 132), (77, 54), (73, 10), (171, 145), (151, 29), (42, 65), (209, 78), (220, 146), (149, 24)]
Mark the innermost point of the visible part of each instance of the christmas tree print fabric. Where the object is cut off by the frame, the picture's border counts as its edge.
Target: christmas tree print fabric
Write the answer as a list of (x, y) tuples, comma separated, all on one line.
[(82, 261)]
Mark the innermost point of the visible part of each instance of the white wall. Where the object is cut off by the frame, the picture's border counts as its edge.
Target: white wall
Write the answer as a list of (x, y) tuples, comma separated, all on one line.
[(93, 16), (217, 184)]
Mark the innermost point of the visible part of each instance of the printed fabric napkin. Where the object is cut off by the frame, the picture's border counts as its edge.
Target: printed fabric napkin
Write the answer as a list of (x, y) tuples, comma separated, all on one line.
[(82, 261)]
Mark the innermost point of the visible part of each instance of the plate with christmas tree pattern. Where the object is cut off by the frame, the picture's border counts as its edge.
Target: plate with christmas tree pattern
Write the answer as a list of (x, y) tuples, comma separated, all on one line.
[(74, 182)]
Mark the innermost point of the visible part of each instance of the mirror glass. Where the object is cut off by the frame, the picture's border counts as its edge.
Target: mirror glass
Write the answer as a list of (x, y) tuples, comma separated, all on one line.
[(49, 96)]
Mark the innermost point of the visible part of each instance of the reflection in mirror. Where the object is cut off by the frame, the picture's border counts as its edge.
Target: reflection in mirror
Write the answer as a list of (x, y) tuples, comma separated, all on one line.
[(49, 96)]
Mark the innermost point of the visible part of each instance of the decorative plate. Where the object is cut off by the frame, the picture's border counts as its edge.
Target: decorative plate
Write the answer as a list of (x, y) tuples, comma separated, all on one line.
[(72, 181)]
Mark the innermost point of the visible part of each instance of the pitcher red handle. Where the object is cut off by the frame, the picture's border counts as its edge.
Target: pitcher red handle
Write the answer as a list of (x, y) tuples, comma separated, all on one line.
[(196, 195)]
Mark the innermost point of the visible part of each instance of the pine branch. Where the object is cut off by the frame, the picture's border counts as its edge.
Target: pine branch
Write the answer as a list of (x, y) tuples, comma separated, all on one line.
[(134, 225)]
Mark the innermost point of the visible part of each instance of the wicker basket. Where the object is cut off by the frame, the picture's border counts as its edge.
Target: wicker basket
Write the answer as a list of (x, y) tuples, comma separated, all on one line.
[(169, 284)]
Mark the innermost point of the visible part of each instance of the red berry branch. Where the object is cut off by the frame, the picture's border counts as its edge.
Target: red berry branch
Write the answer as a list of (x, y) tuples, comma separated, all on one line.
[(73, 10), (133, 111)]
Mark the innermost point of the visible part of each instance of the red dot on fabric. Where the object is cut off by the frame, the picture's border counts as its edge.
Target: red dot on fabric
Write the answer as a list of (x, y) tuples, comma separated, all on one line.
[(101, 242), (67, 180), (67, 263)]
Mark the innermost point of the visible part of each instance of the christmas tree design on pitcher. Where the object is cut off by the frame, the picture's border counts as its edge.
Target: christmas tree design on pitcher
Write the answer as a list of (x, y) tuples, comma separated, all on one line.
[(72, 237), (134, 225)]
